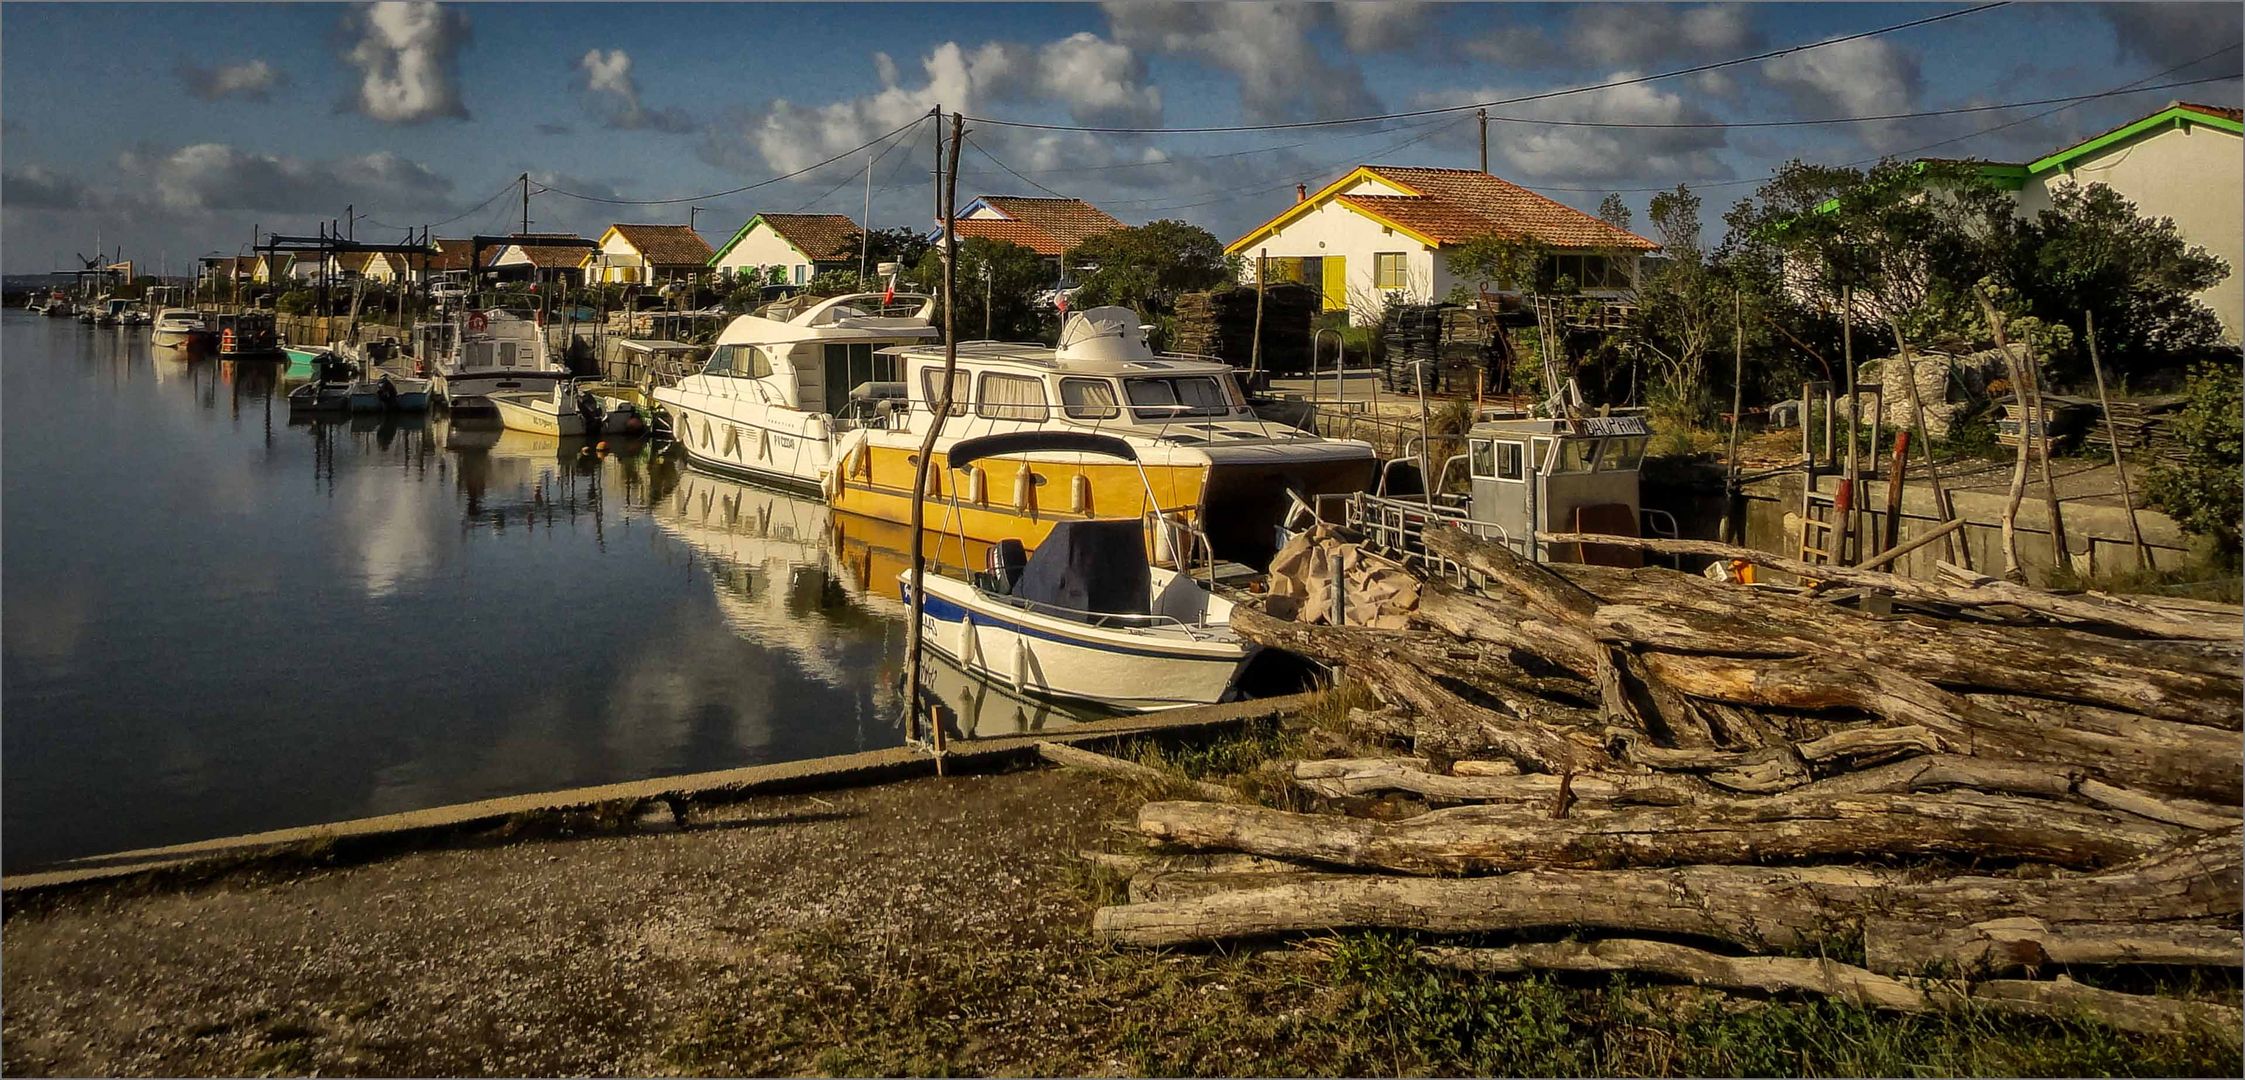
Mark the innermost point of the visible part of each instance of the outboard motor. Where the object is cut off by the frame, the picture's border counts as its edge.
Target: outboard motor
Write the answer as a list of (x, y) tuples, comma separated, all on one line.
[(1007, 559), (588, 407)]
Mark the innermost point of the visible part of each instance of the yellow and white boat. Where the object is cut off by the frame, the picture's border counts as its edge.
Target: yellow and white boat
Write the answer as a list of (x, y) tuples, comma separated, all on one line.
[(1207, 458)]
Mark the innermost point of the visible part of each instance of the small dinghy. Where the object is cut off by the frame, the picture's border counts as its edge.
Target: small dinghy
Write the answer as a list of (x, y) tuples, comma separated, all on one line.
[(330, 388), (386, 391), (1089, 616), (569, 410)]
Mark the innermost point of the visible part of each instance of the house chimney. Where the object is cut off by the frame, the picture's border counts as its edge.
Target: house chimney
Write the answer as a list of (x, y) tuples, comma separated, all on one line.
[(1301, 193)]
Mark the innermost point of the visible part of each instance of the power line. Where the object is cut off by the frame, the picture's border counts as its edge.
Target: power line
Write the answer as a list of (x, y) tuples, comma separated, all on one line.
[(1156, 205), (853, 176), (503, 189), (1524, 98), (1016, 172), (2118, 91), (1919, 115), (744, 187)]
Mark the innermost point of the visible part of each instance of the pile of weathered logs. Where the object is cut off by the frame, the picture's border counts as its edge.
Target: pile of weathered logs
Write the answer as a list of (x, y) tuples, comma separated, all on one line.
[(1222, 324), (1956, 805)]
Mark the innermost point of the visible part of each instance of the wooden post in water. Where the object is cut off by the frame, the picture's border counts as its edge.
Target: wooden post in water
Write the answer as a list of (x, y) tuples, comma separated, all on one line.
[(2112, 435), (950, 190)]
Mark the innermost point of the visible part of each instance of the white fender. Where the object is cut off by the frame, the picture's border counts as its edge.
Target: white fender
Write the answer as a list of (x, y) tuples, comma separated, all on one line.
[(732, 441), (976, 482), (764, 444), (1025, 490), (970, 645), (1020, 663), (1079, 494)]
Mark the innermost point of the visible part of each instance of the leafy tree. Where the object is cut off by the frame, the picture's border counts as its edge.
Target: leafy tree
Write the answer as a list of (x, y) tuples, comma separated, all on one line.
[(1147, 267), (1685, 306), (2091, 252), (901, 245), (1613, 211), (1502, 262), (1006, 275), (2204, 491)]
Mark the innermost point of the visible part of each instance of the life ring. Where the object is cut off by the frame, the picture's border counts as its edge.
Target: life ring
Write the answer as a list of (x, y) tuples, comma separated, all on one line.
[(477, 323)]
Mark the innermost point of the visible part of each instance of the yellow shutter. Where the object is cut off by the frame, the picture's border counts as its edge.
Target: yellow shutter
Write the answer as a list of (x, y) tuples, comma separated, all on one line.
[(1336, 282)]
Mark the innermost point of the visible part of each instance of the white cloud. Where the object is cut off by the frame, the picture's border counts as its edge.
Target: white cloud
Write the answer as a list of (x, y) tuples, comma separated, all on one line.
[(608, 79), (1380, 25), (406, 52), (1282, 76), (1858, 77), (1098, 80), (250, 80), (215, 176), (1528, 153), (1644, 33)]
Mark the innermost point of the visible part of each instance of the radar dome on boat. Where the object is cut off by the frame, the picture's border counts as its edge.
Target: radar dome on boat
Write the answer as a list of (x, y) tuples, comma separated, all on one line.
[(1104, 333)]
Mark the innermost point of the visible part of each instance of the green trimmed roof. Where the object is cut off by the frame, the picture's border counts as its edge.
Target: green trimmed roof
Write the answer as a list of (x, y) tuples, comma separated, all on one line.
[(2178, 115)]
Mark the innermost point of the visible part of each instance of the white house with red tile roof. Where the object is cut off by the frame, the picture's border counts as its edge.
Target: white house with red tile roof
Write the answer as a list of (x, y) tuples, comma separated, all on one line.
[(1382, 229), (639, 254), (1049, 227), (801, 245)]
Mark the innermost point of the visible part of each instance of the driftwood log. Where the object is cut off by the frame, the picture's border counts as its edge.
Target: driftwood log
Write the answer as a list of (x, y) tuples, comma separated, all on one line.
[(1750, 906), (1493, 839), (2026, 943), (1868, 989)]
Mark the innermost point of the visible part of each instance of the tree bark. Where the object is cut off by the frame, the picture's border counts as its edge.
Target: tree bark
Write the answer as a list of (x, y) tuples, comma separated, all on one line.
[(1857, 986), (1078, 758), (1493, 839), (1752, 906), (1377, 775), (2024, 943)]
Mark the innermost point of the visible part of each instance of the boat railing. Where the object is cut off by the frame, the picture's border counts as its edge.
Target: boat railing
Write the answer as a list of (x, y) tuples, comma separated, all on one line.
[(1104, 620), (1397, 527)]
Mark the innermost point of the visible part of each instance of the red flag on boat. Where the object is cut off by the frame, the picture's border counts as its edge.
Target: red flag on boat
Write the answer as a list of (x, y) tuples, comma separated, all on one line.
[(1062, 302), (889, 293)]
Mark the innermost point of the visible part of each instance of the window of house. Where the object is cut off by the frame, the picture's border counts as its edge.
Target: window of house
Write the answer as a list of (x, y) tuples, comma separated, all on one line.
[(962, 388), (1089, 399), (1390, 270), (1011, 397)]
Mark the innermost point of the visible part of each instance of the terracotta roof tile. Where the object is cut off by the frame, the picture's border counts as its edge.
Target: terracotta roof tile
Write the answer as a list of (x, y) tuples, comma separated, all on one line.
[(1433, 218), (1012, 232), (547, 256), (1509, 209), (667, 245), (452, 254), (1065, 222), (821, 237), (2213, 110)]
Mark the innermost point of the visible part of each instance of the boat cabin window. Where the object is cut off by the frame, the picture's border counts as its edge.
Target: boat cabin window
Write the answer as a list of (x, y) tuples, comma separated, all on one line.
[(1089, 399), (739, 361), (1482, 459), (1508, 461), (1624, 454), (1167, 397), (962, 388), (1011, 397)]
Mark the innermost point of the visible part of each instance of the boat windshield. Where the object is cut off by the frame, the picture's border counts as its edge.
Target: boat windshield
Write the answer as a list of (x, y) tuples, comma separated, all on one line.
[(1170, 396)]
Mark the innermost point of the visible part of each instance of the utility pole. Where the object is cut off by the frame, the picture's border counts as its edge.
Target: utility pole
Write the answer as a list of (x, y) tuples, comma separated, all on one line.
[(526, 203), (350, 221), (912, 633), (691, 211), (1483, 116)]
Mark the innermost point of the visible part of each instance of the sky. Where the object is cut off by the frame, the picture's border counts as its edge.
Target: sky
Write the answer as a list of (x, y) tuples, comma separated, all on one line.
[(175, 130)]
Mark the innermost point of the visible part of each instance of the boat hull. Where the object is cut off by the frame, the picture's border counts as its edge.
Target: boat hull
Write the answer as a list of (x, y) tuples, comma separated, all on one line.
[(1055, 657), (768, 446), (472, 391), (412, 396)]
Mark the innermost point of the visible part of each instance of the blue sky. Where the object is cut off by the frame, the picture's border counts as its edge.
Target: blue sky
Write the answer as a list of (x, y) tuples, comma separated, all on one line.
[(174, 129)]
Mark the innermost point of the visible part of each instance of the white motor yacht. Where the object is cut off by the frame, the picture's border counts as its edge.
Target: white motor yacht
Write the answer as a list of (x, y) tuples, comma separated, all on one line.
[(777, 392), (181, 328)]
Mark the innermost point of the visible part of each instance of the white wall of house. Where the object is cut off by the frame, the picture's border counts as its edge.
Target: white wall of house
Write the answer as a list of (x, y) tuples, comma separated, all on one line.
[(762, 247), (617, 262), (2194, 174), (380, 270), (1333, 230)]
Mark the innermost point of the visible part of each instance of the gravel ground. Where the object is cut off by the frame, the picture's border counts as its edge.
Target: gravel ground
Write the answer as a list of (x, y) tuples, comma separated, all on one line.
[(784, 935)]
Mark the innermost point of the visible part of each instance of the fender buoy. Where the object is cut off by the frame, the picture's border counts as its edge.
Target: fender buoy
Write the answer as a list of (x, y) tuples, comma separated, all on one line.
[(226, 341)]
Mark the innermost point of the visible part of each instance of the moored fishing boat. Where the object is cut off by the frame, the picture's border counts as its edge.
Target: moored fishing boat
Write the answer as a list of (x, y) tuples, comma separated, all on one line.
[(182, 328), (488, 352), (568, 410), (1089, 616), (775, 393), (1203, 453)]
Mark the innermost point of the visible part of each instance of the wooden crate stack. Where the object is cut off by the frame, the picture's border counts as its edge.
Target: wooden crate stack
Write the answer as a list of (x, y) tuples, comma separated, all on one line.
[(1462, 349), (1222, 324), (2140, 425)]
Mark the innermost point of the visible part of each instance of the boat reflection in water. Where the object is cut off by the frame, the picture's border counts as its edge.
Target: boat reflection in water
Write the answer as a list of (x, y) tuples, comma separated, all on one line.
[(788, 571)]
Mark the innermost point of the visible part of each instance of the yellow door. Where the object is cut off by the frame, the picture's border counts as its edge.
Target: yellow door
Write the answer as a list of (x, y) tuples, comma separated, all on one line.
[(1336, 282)]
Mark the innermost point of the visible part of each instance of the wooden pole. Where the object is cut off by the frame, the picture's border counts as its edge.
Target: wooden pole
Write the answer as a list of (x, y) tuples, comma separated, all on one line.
[(1894, 483), (1733, 528), (2062, 551), (2012, 570), (912, 632), (1255, 346), (2112, 435), (1846, 511), (1960, 552)]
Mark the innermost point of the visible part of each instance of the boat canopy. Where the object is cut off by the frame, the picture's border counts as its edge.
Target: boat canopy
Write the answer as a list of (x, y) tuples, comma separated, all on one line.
[(1096, 567), (966, 452)]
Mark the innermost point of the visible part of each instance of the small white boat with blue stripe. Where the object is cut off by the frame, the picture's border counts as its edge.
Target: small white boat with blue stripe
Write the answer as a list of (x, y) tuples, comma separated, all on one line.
[(1091, 616)]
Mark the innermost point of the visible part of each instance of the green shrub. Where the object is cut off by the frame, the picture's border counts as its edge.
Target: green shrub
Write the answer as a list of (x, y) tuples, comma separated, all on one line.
[(2203, 491)]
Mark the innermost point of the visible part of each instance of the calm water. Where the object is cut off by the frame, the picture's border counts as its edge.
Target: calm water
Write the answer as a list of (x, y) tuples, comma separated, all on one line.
[(218, 622)]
